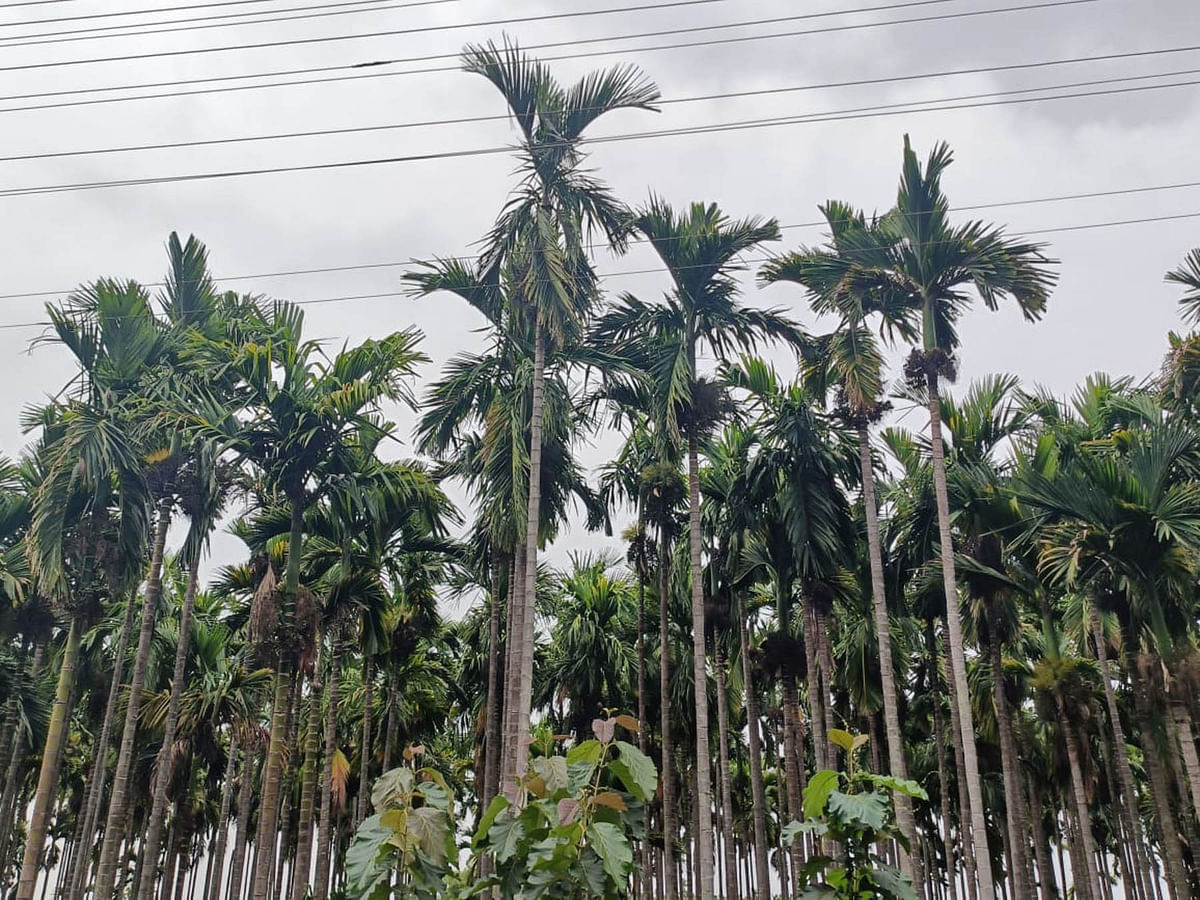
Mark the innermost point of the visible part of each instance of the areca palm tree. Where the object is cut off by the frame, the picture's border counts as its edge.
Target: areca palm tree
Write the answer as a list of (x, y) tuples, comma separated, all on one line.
[(1119, 520), (308, 421), (851, 357), (935, 269), (99, 439), (700, 248), (540, 236)]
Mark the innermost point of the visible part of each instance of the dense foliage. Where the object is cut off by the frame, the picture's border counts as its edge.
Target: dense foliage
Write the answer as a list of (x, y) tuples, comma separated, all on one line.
[(839, 657)]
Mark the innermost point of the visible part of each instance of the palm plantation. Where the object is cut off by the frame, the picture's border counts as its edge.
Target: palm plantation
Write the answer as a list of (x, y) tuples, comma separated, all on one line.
[(782, 641)]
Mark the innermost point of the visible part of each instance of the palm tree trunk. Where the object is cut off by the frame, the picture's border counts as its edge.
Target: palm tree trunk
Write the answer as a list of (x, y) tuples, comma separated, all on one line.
[(212, 886), (158, 806), (670, 828), (1128, 798), (12, 780), (812, 674), (389, 728), (513, 628), (706, 860), (793, 762), (301, 868), (1160, 792), (364, 767), (272, 773), (493, 743), (524, 681), (325, 823), (731, 887), (56, 733), (891, 707), (119, 801), (1010, 765), (758, 793), (1084, 821), (1187, 746), (100, 765), (237, 865), (971, 864), (958, 660), (643, 724), (1049, 889), (939, 736)]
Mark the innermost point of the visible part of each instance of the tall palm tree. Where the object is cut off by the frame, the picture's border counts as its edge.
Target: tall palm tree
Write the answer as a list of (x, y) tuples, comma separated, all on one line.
[(851, 356), (1120, 522), (935, 268), (700, 248), (103, 433), (307, 425), (541, 236)]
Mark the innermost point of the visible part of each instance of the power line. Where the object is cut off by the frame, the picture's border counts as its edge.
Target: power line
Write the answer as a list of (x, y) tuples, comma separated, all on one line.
[(463, 120), (173, 9), (1085, 226), (393, 32), (378, 74), (18, 40), (32, 3), (909, 107), (969, 207)]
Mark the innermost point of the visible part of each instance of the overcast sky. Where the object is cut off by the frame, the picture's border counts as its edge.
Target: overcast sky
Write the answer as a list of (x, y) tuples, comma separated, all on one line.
[(1111, 310)]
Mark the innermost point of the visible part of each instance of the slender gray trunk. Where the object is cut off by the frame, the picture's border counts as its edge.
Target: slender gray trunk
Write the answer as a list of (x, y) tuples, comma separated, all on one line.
[(939, 736), (1128, 796), (103, 742), (302, 867), (670, 829), (162, 779), (324, 826), (237, 865), (891, 707), (524, 681), (1010, 765), (43, 800), (958, 659), (1083, 818), (118, 805), (212, 888), (706, 861), (970, 863), (758, 793), (731, 888), (362, 802), (643, 724)]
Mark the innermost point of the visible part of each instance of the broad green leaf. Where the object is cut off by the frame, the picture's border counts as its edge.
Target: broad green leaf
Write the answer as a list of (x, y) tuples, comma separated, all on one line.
[(869, 810), (579, 775), (613, 848), (893, 883), (505, 836), (635, 770), (390, 787), (820, 786), (429, 826), (792, 830), (593, 872), (843, 739), (363, 867), (498, 805), (899, 785), (553, 770), (586, 751)]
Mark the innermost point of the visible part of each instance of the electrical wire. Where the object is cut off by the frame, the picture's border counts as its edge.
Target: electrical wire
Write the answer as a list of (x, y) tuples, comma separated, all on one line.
[(760, 92), (968, 207), (1086, 226), (886, 110), (394, 32), (366, 4), (17, 40)]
